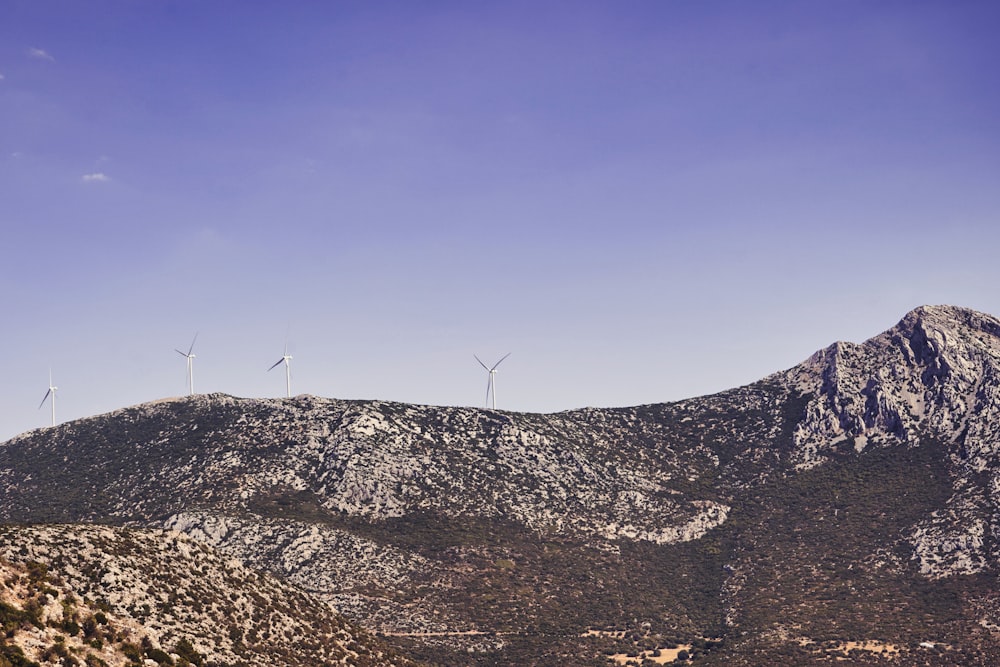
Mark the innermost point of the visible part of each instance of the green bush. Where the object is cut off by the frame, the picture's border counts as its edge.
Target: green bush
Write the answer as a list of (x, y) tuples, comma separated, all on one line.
[(37, 572), (186, 651), (132, 652), (11, 618), (33, 608), (57, 650), (159, 656), (13, 656)]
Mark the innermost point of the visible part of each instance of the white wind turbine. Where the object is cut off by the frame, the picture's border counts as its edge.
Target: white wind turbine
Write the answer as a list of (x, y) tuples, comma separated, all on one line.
[(51, 392), (285, 358), (190, 364), (491, 387)]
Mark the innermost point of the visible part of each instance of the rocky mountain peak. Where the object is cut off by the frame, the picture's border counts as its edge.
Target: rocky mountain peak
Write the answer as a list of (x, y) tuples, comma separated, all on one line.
[(939, 336), (950, 317), (926, 375)]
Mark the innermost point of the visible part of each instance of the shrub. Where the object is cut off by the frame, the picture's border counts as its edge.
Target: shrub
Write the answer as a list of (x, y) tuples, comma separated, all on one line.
[(159, 656), (11, 618), (132, 652), (57, 650), (186, 651), (33, 608), (13, 656), (37, 572)]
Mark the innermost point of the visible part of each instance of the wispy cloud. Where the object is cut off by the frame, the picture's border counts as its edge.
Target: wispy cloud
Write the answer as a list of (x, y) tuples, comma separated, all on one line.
[(1, 76), (96, 177), (40, 54)]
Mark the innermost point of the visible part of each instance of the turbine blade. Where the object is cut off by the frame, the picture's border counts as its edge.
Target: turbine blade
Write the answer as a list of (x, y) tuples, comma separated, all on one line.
[(45, 398), (276, 364), (489, 386), (181, 353), (191, 349), (499, 362), (481, 363)]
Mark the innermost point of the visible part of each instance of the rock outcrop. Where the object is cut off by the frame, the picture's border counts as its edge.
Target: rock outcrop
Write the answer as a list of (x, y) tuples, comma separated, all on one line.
[(934, 375)]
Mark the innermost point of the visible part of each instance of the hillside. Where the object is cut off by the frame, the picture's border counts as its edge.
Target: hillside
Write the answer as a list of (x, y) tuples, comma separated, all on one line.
[(849, 498), (93, 595)]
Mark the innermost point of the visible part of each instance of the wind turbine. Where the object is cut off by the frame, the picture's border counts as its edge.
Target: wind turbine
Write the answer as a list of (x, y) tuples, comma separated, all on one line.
[(51, 392), (285, 358), (491, 387), (190, 364)]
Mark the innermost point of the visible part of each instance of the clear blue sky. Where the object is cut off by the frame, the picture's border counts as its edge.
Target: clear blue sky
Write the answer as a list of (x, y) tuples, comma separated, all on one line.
[(642, 201)]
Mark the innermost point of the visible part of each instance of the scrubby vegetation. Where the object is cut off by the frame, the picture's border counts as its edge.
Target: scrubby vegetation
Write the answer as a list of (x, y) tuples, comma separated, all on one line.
[(39, 615), (97, 595)]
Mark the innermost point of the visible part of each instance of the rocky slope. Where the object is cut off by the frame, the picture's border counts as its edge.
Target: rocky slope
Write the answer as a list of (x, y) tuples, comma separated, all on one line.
[(100, 595), (43, 619), (935, 375), (863, 478)]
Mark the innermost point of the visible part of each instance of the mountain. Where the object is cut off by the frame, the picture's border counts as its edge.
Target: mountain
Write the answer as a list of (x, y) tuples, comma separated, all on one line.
[(843, 507)]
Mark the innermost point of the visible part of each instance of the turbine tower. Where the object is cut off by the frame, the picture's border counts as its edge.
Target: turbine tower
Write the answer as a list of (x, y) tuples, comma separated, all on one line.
[(285, 358), (491, 387), (190, 364), (51, 392)]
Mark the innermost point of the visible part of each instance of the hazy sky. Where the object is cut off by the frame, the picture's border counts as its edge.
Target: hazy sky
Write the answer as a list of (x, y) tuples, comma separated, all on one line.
[(642, 201)]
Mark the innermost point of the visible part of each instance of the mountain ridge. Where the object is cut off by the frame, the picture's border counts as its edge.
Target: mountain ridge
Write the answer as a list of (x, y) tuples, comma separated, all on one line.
[(416, 520)]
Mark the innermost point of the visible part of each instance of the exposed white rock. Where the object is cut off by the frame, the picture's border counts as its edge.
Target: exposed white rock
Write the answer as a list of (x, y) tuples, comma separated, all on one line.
[(710, 515), (317, 558), (951, 541)]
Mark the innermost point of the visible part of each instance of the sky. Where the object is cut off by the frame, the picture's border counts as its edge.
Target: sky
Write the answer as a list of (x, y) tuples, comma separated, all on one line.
[(640, 201)]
